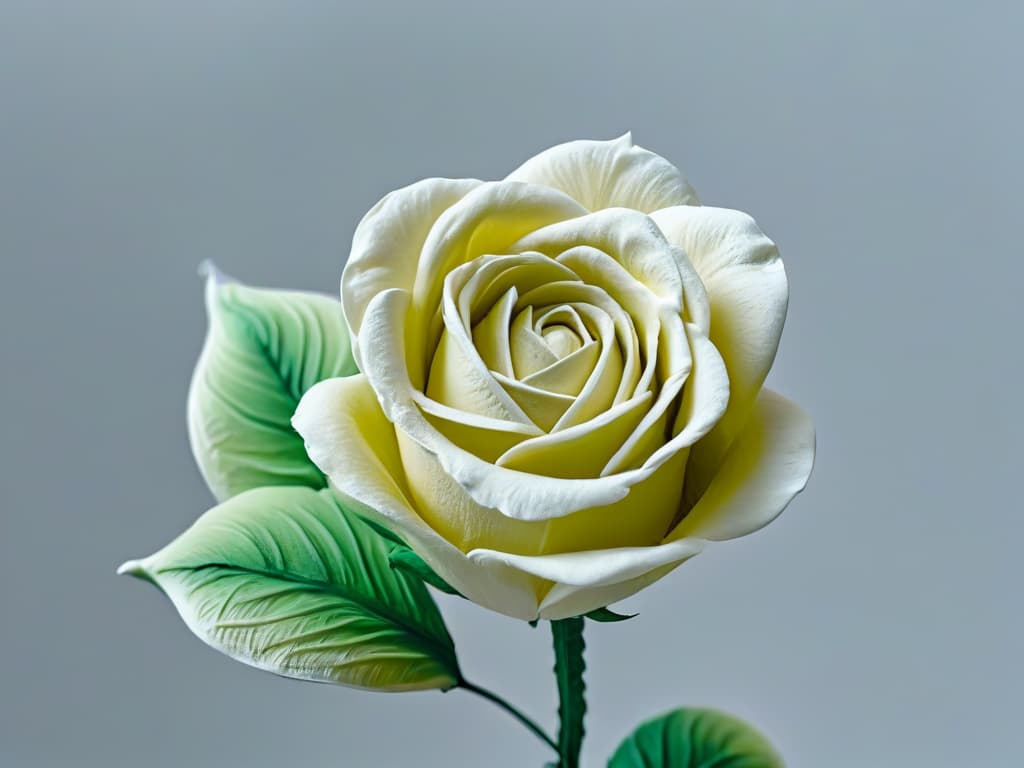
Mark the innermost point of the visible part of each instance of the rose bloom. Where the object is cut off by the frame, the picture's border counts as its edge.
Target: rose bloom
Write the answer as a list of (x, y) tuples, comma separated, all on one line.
[(560, 397)]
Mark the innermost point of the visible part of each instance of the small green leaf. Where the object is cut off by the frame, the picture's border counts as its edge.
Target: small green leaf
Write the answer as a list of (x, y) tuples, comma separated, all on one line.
[(695, 738), (406, 560), (263, 350), (288, 580), (608, 616)]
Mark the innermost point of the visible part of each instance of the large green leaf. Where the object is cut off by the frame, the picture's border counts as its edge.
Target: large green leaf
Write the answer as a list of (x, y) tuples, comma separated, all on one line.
[(695, 738), (263, 350), (288, 580)]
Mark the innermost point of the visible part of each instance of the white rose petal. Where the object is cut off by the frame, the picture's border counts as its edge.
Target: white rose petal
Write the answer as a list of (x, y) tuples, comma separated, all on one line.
[(609, 174), (387, 242), (766, 466), (747, 294)]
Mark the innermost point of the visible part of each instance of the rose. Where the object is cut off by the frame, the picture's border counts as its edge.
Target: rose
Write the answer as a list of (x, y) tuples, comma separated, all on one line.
[(561, 391)]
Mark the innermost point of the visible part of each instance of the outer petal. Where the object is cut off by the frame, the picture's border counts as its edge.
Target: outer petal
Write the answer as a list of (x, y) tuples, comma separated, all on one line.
[(768, 464), (588, 580), (563, 600), (748, 295), (387, 243), (349, 438), (595, 568), (609, 174)]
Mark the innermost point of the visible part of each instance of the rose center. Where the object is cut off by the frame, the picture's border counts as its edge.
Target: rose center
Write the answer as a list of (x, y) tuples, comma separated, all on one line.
[(562, 341)]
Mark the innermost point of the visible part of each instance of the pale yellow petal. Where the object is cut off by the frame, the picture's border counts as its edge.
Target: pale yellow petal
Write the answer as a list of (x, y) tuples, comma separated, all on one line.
[(615, 376), (582, 450), (491, 334), (459, 380), (766, 466), (482, 436), (543, 407), (568, 375), (529, 351)]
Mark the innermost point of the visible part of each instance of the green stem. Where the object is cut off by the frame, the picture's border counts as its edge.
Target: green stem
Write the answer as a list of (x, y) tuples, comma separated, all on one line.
[(496, 699), (572, 704)]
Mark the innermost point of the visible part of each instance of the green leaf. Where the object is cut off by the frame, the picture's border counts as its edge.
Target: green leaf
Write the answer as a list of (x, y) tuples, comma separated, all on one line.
[(263, 350), (695, 738), (608, 616), (288, 580), (572, 703), (406, 560)]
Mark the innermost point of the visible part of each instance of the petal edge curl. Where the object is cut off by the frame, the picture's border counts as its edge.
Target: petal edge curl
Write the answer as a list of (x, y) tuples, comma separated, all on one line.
[(387, 242), (767, 465), (608, 174)]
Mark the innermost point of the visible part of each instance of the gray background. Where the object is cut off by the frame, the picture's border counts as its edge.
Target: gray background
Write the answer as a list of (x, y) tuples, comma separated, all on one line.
[(877, 623)]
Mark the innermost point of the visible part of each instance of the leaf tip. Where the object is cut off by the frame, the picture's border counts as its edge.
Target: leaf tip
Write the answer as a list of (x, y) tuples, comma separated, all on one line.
[(136, 568), (215, 280), (208, 271), (130, 567)]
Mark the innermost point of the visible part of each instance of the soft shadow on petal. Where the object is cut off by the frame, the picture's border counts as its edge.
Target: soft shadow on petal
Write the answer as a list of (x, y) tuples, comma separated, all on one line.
[(609, 174), (768, 464), (674, 362), (459, 379), (350, 440), (705, 398)]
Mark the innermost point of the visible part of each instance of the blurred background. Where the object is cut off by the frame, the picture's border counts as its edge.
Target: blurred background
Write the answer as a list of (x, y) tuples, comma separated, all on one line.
[(876, 623)]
